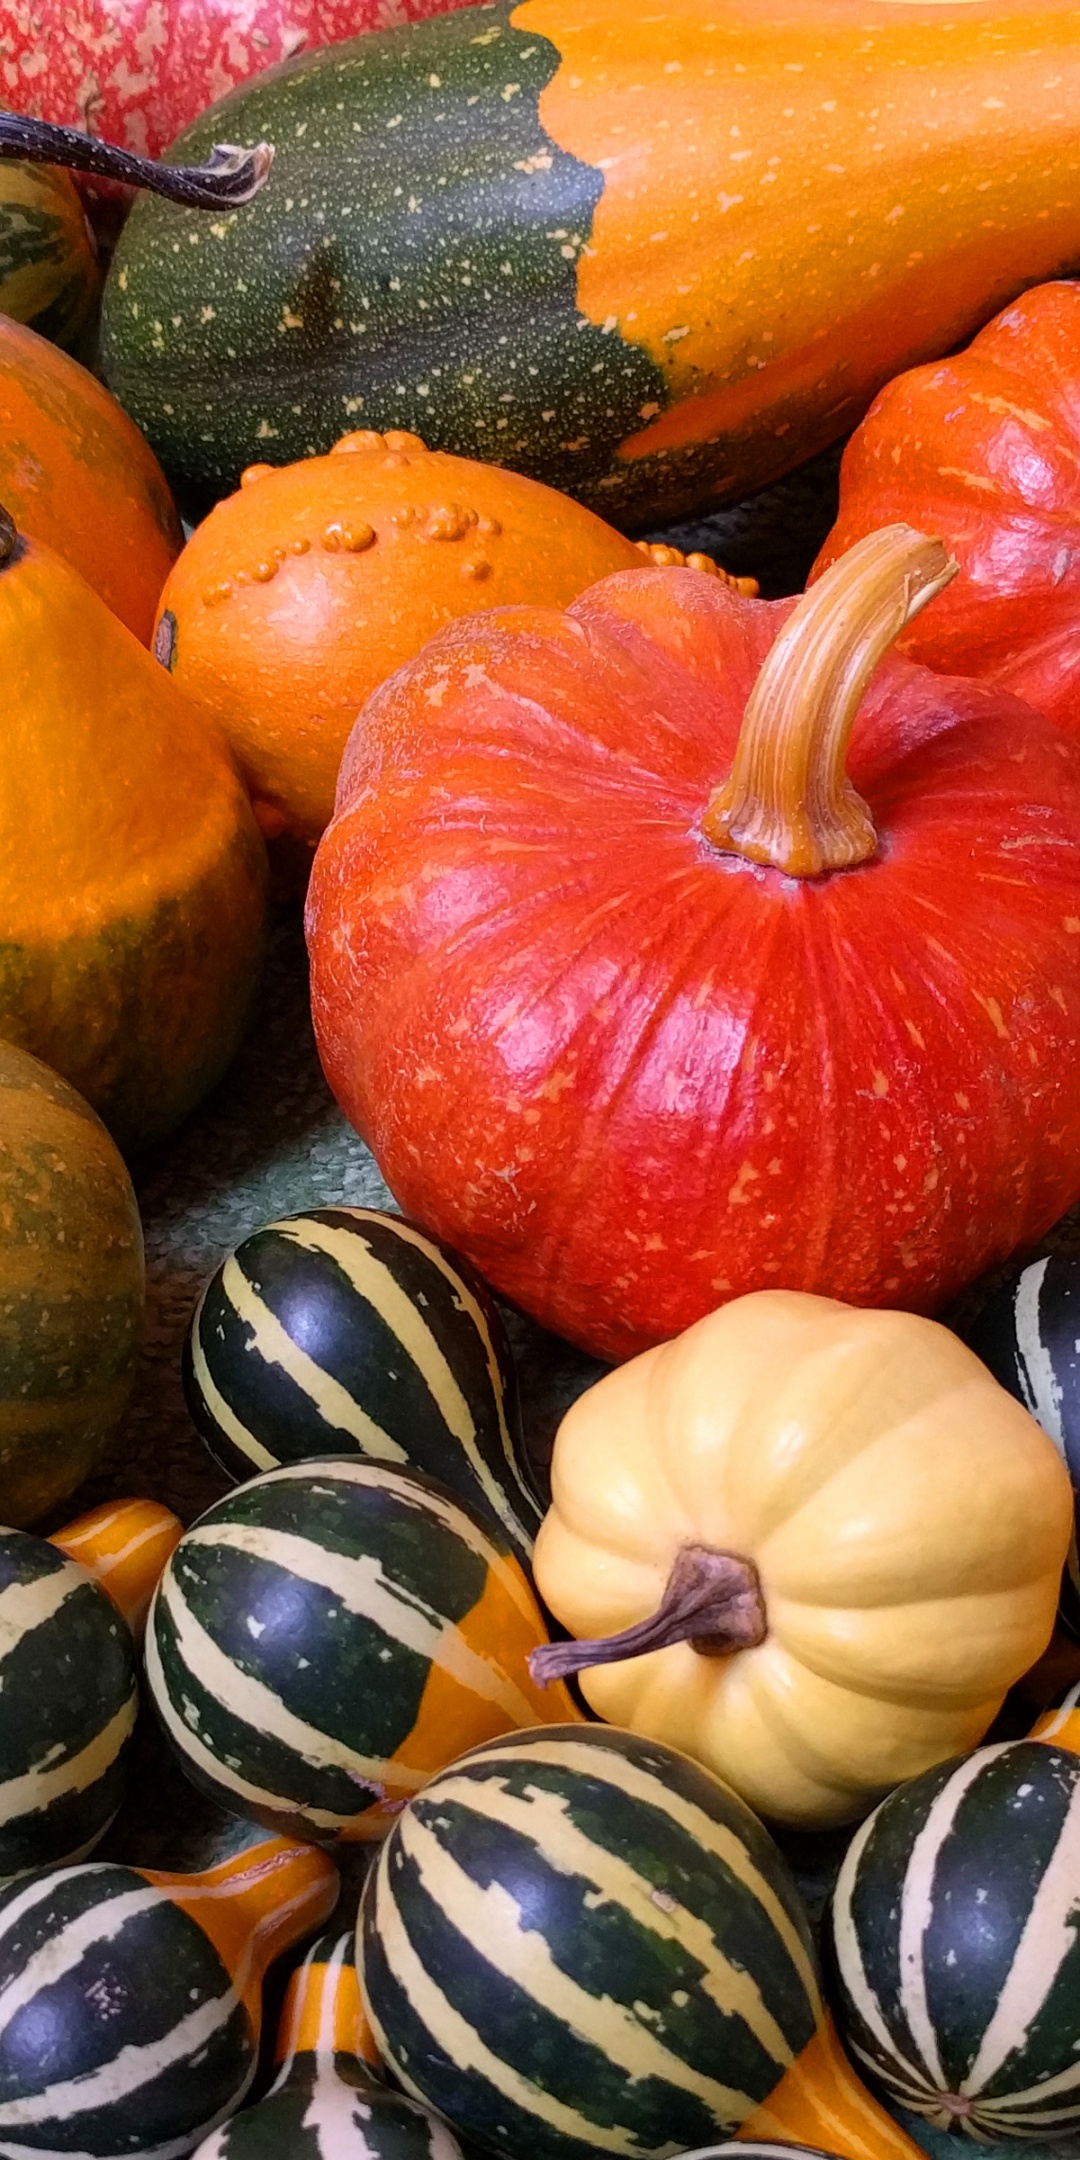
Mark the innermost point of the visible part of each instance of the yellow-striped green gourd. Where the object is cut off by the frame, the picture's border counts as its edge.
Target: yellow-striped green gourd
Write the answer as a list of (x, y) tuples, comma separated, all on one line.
[(131, 2000), (326, 2102), (576, 1940), (349, 1328), (329, 1635)]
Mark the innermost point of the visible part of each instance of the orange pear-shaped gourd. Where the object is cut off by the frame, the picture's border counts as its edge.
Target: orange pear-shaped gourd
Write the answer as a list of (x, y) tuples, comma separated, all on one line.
[(132, 874), (149, 1989), (124, 1545)]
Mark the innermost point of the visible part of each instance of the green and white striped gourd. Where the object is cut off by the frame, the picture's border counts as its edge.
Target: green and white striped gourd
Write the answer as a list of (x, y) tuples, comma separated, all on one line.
[(330, 1635), (325, 2103), (349, 1328), (68, 1702), (578, 1941), (130, 2000), (954, 1946)]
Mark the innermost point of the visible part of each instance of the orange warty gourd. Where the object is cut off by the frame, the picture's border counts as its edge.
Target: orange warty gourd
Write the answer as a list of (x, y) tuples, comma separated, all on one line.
[(76, 473), (301, 593), (132, 873)]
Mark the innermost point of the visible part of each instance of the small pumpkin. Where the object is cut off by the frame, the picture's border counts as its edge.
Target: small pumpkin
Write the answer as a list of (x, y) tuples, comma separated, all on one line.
[(819, 1545), (148, 1986), (348, 1327), (301, 593), (953, 1950), (325, 2103), (574, 1941), (1028, 1336), (49, 274), (132, 874), (983, 449), (76, 473), (71, 1284), (332, 1633), (645, 993)]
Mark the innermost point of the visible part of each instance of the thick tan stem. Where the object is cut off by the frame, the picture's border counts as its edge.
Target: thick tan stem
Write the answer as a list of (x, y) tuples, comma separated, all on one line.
[(788, 801), (713, 1600)]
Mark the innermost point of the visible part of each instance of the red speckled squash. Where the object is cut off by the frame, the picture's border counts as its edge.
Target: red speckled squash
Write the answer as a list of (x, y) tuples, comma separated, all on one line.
[(985, 450), (637, 1041)]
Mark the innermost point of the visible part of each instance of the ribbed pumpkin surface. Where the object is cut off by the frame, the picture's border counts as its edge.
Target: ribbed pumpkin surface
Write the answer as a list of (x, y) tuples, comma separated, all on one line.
[(330, 1635), (71, 1287), (576, 1940), (69, 1695), (350, 1327), (121, 2032), (955, 1947)]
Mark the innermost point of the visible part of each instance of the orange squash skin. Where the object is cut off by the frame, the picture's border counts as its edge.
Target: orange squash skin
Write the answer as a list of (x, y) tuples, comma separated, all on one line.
[(76, 473), (132, 873), (301, 593)]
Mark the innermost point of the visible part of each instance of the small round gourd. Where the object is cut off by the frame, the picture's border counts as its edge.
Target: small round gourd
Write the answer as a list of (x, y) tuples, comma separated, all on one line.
[(953, 1946), (1029, 1336), (326, 2102), (69, 1696), (576, 1940), (130, 2000), (330, 1635), (347, 1327)]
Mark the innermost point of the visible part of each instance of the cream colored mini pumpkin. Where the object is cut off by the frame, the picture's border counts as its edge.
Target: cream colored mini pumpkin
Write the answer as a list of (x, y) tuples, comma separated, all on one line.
[(863, 1533)]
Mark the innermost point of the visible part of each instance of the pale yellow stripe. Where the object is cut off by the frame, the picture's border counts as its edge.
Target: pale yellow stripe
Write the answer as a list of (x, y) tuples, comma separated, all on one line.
[(339, 1409), (39, 1788), (373, 1280), (25, 1606), (363, 1590), (459, 2039), (353, 1470), (623, 1776), (491, 1918), (545, 1819)]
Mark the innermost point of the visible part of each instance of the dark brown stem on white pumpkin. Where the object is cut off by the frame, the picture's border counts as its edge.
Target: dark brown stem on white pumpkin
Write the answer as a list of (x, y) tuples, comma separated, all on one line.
[(230, 177), (9, 536), (713, 1601), (787, 801)]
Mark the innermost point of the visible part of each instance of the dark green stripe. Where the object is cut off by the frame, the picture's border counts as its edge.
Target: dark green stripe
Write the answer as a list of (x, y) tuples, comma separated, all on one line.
[(63, 1682)]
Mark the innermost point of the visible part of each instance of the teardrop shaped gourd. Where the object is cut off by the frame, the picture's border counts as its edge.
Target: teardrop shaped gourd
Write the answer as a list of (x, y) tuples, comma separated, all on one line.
[(132, 874), (68, 1679), (577, 1940), (952, 1946), (76, 474), (123, 1545), (72, 1286), (347, 1326), (641, 962), (326, 2103), (149, 1986), (330, 1635)]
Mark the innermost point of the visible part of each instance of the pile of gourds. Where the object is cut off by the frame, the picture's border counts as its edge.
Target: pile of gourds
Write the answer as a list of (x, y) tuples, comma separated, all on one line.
[(703, 972)]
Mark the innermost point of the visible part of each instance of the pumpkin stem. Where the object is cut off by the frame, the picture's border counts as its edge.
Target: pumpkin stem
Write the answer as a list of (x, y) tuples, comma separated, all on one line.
[(713, 1601), (229, 178), (787, 801), (8, 536)]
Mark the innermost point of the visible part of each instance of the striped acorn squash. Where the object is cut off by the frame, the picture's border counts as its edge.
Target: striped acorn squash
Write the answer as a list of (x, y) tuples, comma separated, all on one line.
[(323, 2104), (130, 1999), (48, 264), (330, 1635), (349, 1327), (69, 1692), (71, 1287), (953, 1946), (536, 238), (576, 1940)]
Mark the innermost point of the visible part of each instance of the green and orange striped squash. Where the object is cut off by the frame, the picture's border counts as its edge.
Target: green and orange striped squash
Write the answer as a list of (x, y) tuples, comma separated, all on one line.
[(49, 276)]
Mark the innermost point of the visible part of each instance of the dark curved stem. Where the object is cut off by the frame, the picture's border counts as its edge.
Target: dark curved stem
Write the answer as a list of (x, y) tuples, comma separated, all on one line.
[(229, 178), (713, 1601), (8, 536)]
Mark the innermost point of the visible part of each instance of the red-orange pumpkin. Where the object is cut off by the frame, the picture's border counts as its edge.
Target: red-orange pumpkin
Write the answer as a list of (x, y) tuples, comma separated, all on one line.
[(984, 449), (637, 1042)]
